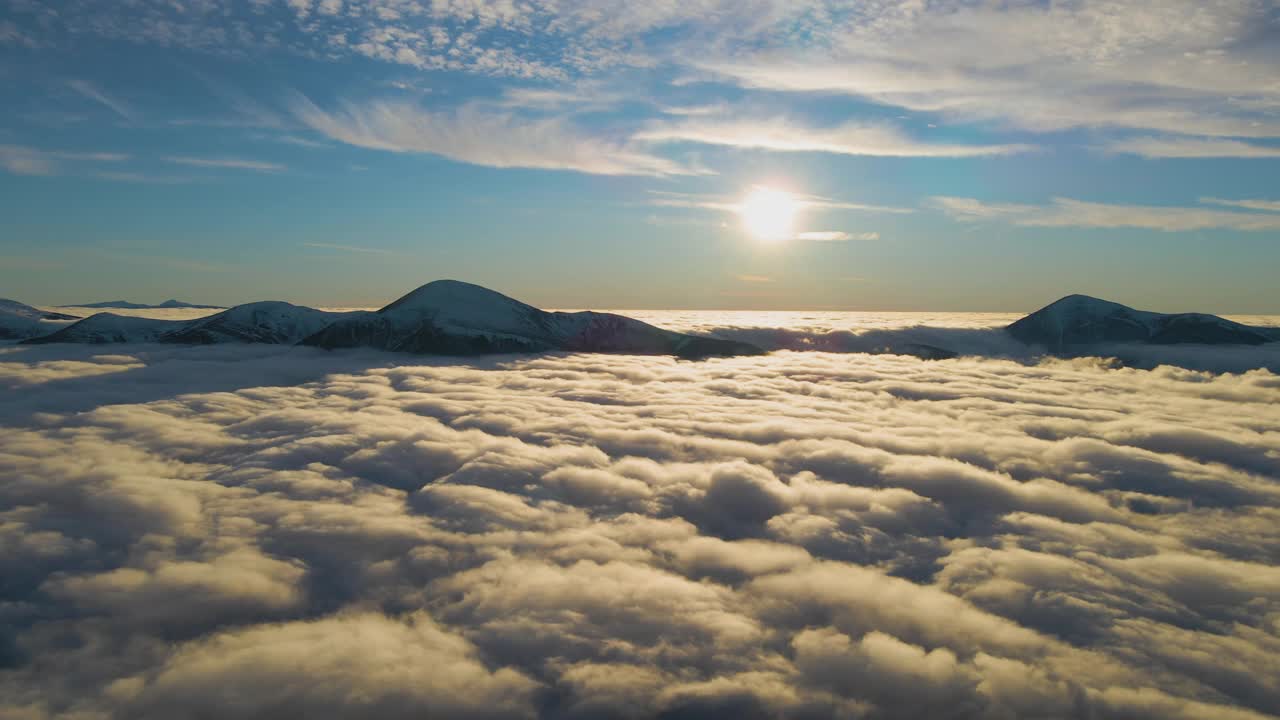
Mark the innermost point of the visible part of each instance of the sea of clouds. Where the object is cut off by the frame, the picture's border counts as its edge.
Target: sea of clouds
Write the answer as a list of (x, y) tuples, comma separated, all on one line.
[(261, 531), (972, 334)]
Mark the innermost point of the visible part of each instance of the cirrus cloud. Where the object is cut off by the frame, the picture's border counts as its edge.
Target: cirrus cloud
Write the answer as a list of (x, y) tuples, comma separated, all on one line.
[(1066, 212), (477, 137), (782, 135)]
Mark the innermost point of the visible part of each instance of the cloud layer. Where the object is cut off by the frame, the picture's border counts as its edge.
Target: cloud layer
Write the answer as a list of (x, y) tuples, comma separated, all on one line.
[(231, 532)]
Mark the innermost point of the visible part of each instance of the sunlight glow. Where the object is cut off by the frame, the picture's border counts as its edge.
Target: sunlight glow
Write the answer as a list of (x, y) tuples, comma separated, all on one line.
[(769, 214)]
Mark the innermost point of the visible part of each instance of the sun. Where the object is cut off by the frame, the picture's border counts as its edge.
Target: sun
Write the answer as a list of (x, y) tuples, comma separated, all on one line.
[(769, 214)]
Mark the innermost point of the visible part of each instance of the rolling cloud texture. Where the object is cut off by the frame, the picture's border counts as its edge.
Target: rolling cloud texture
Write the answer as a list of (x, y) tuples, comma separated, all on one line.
[(242, 531)]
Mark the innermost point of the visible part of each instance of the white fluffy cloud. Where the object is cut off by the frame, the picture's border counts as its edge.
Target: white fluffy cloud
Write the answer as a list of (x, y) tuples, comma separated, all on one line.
[(230, 532)]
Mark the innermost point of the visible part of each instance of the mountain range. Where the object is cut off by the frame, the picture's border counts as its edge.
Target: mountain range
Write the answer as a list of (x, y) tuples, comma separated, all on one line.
[(444, 317), (449, 317), (126, 305)]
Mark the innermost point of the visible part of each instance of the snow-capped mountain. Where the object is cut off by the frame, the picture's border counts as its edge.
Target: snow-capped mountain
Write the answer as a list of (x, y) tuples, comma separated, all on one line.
[(35, 313), (445, 317), (110, 328), (126, 305), (260, 322), (1080, 320), (457, 318), (19, 321)]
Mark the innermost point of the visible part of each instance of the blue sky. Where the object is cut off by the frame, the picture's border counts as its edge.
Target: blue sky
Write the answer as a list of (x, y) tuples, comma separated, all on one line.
[(950, 155)]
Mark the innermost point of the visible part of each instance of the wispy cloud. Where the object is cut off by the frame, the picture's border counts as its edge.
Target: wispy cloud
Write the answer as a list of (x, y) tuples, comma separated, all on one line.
[(10, 34), (817, 201), (1065, 212), (137, 177), (347, 248), (580, 98), (783, 135), (1264, 205), (91, 92), (1176, 67), (109, 157), (720, 203), (289, 139), (226, 163), (1180, 66), (470, 135), (1158, 147), (837, 236), (731, 204), (693, 110), (298, 141), (21, 160), (244, 111), (972, 209), (754, 278)]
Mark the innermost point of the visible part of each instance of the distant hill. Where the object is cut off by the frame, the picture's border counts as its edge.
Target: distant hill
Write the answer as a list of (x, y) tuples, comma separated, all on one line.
[(19, 320), (445, 317), (260, 322), (1078, 321), (126, 305)]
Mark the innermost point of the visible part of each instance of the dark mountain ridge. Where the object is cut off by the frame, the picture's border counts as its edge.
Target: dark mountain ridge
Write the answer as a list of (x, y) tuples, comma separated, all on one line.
[(126, 305), (1080, 321)]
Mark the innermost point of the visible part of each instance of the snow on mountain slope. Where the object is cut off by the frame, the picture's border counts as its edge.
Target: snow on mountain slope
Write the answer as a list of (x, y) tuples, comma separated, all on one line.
[(19, 321), (35, 313), (17, 327), (452, 303), (444, 317), (110, 328), (1079, 320), (457, 318), (260, 322)]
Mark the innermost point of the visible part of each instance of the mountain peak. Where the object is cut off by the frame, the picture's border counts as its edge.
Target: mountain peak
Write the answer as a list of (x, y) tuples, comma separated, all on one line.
[(1078, 301), (453, 295), (1080, 320)]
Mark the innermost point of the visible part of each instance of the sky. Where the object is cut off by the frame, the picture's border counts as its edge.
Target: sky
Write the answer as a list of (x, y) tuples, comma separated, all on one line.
[(585, 153)]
